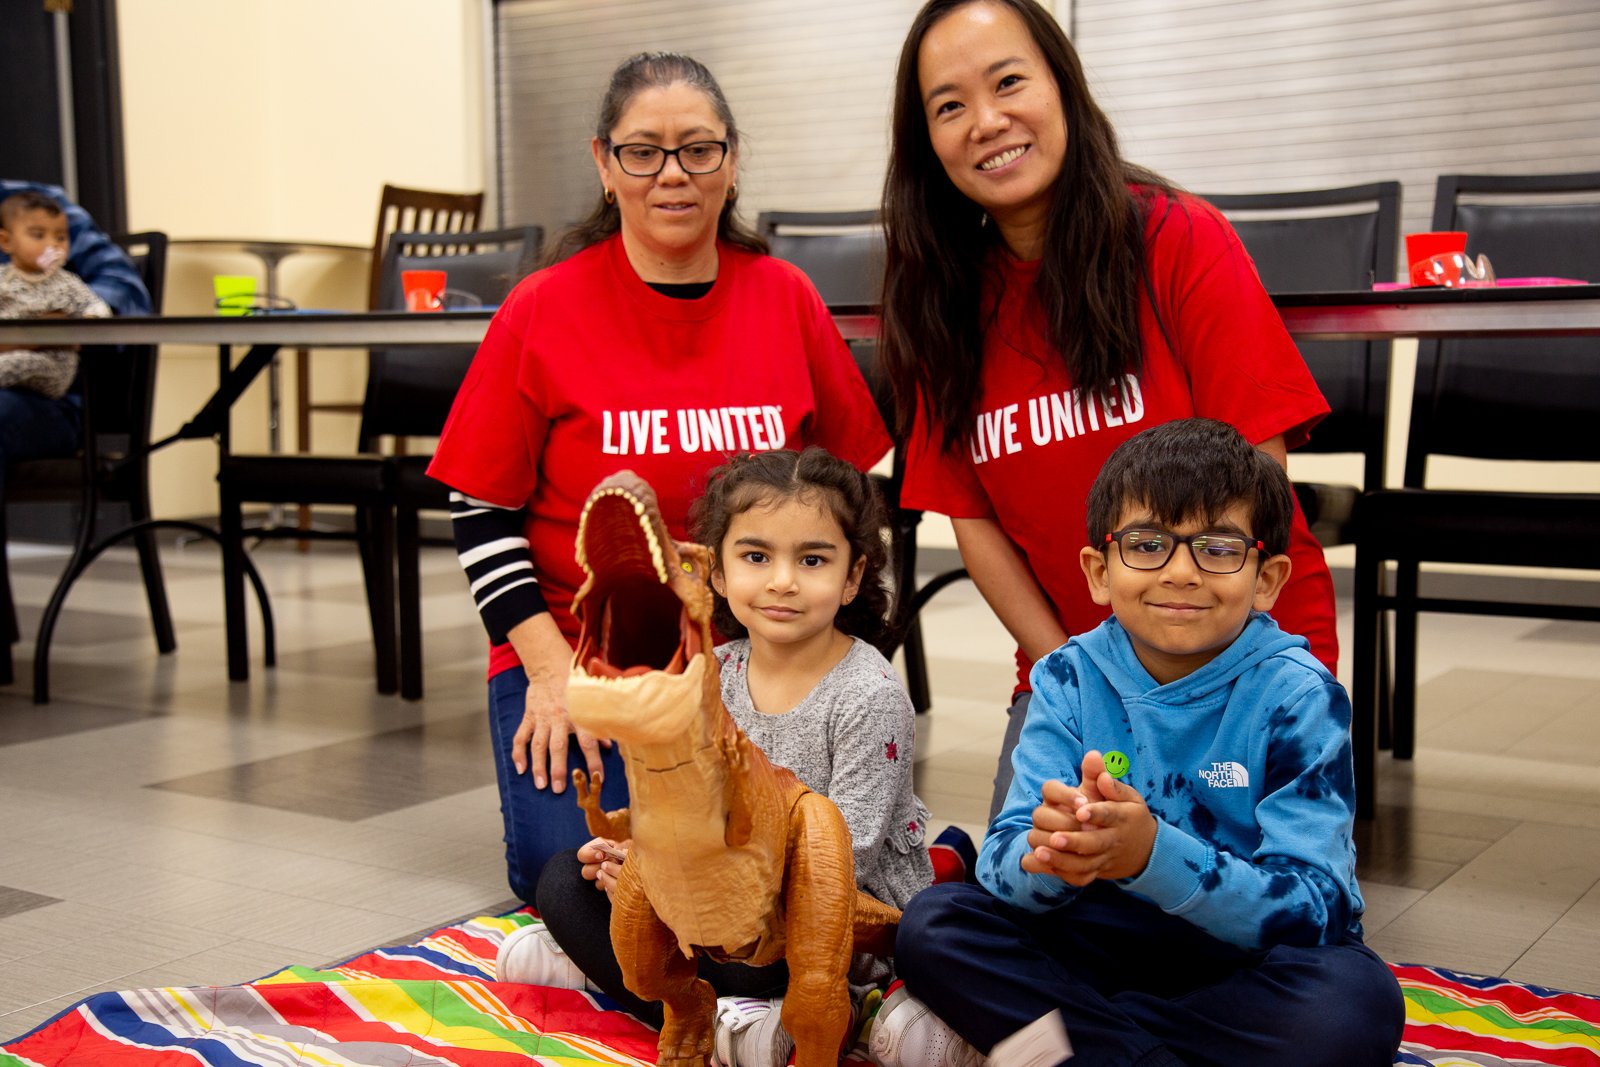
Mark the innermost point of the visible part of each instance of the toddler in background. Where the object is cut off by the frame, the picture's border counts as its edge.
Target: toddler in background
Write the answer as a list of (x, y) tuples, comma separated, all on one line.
[(33, 232)]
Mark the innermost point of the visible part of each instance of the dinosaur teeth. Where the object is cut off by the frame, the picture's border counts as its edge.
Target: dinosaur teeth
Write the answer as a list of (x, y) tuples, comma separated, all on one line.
[(657, 558), (601, 671)]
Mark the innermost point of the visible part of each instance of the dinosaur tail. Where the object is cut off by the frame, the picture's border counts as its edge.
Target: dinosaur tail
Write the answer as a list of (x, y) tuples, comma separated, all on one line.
[(875, 925)]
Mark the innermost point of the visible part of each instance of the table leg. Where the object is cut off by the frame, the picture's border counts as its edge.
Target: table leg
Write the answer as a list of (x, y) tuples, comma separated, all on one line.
[(230, 523), (274, 391), (302, 430), (1364, 697)]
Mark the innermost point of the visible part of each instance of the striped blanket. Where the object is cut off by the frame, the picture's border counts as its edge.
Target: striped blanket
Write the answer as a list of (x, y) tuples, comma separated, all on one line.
[(1459, 1020), (433, 1004)]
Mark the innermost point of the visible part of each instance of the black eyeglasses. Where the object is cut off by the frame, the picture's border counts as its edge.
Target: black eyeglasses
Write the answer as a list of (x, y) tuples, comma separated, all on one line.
[(1146, 549), (647, 160)]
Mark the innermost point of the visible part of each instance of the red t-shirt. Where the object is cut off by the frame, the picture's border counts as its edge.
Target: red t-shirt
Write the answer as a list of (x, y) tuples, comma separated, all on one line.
[(1036, 448), (586, 370)]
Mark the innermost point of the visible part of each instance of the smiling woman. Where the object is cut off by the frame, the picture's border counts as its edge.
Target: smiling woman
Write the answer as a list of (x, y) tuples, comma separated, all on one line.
[(995, 118), (659, 338), (1044, 301)]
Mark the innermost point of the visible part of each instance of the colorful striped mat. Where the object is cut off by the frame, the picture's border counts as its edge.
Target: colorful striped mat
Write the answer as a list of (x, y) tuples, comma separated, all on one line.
[(1455, 1020), (432, 1004)]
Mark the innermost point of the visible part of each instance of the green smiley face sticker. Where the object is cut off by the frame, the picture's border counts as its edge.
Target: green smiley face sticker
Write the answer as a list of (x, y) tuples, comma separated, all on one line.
[(1116, 764)]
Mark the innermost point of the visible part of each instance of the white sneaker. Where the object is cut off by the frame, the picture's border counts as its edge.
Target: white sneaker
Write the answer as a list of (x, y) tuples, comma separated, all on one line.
[(750, 1033), (905, 1033), (530, 955)]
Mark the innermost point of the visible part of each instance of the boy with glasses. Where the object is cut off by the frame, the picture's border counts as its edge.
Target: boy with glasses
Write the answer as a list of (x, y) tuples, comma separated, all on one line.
[(1192, 897)]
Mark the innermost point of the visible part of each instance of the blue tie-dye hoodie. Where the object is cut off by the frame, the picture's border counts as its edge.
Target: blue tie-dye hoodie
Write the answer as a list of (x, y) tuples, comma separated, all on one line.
[(1245, 764)]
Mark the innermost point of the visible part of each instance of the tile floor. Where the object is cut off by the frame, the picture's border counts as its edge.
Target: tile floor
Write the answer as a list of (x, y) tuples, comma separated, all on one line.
[(159, 825)]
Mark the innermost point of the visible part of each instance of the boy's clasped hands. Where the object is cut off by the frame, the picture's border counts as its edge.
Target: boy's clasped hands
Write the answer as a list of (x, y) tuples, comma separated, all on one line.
[(1099, 828)]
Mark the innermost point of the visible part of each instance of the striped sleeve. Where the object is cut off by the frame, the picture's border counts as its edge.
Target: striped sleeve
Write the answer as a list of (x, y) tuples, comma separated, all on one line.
[(494, 552)]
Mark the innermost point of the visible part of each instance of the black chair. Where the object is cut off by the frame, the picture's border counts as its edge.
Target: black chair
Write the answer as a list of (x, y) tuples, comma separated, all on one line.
[(409, 391), (112, 467), (842, 253), (1491, 399), (399, 210), (1329, 239)]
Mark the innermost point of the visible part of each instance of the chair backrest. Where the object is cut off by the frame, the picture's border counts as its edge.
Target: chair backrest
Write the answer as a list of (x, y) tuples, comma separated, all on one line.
[(119, 385), (1329, 239), (840, 251), (418, 211), (410, 389), (1513, 398)]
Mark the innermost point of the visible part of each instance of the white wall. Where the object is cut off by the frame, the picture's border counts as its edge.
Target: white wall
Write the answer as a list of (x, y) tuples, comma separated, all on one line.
[(283, 120)]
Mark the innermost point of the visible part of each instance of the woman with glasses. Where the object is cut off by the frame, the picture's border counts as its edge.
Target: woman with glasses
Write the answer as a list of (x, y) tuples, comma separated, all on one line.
[(661, 340), (1044, 301)]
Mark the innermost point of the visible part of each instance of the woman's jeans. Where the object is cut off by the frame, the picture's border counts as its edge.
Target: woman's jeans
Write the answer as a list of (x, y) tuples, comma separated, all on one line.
[(539, 823)]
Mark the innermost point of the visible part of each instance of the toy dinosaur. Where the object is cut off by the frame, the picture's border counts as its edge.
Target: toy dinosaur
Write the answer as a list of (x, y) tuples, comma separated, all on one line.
[(731, 856)]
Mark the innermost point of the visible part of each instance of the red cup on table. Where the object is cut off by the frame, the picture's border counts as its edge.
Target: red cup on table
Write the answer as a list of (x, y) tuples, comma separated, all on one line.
[(423, 289), (1421, 247)]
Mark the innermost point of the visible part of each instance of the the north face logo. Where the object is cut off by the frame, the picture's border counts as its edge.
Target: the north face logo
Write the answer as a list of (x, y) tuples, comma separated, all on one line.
[(1228, 775)]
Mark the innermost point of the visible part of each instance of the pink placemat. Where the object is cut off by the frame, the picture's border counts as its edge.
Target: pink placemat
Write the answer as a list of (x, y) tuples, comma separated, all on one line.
[(1507, 283)]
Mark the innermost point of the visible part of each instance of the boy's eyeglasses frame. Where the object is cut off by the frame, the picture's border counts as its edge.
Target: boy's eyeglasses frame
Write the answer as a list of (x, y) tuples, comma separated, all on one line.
[(1229, 563)]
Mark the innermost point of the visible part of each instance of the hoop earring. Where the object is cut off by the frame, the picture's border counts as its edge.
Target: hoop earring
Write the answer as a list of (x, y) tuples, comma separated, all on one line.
[(610, 196), (733, 191)]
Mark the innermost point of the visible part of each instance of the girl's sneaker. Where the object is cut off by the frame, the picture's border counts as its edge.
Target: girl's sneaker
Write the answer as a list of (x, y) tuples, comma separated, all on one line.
[(905, 1033), (530, 955), (750, 1033)]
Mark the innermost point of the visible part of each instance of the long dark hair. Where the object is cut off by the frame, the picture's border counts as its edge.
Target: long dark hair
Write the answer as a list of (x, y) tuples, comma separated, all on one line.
[(654, 70), (939, 243), (814, 476)]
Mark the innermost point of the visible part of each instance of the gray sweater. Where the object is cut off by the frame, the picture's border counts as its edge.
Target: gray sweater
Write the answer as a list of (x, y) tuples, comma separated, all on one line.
[(850, 739)]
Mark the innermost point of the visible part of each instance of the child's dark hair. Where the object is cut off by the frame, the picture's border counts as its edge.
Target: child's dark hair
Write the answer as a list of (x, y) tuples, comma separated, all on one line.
[(814, 476), (1193, 468), (24, 202)]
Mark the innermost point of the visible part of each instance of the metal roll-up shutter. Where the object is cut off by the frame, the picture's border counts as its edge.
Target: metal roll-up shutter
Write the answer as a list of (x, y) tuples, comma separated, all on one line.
[(809, 83), (1264, 95)]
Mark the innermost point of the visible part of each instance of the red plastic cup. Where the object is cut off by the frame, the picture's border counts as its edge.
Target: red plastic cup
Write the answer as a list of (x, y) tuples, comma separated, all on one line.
[(1421, 247), (424, 289)]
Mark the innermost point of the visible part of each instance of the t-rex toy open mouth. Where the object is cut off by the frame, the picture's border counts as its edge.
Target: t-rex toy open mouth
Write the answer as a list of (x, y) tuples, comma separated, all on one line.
[(643, 661)]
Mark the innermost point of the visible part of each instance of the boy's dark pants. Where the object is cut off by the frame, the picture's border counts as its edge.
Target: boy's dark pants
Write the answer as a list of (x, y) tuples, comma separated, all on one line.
[(1138, 986)]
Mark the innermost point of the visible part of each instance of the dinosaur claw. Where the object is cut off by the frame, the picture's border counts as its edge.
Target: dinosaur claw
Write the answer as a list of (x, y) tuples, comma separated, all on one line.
[(586, 787), (687, 1053)]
